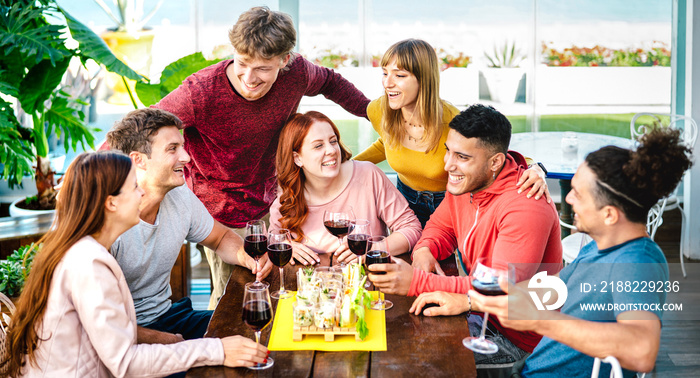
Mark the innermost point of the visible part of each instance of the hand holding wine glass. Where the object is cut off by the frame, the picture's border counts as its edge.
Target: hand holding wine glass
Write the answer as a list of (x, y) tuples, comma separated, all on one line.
[(279, 251), (484, 280), (358, 236), (255, 242), (257, 313)]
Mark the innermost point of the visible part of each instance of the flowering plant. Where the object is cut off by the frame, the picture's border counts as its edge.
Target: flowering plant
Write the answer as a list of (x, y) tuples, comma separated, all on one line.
[(335, 59), (448, 60), (657, 55)]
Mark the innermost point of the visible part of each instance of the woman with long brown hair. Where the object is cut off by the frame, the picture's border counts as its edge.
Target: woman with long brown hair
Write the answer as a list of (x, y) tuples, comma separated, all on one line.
[(75, 316), (412, 123), (314, 173)]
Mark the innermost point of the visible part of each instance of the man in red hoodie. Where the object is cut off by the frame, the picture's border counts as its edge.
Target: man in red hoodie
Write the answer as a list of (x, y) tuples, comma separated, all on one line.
[(482, 215)]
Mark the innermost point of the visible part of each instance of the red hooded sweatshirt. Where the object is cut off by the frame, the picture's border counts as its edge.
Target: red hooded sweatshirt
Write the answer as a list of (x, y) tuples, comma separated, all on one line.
[(496, 223)]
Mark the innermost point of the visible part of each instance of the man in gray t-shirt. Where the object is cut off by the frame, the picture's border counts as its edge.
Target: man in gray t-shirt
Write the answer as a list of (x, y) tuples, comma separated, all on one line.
[(170, 215)]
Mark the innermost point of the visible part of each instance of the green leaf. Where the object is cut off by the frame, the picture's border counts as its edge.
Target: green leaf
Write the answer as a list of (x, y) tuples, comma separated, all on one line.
[(16, 153), (148, 94), (40, 82), (173, 75), (65, 116), (176, 72), (25, 28), (93, 47)]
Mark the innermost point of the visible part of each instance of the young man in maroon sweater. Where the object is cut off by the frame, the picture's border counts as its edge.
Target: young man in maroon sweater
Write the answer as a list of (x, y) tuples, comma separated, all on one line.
[(233, 112)]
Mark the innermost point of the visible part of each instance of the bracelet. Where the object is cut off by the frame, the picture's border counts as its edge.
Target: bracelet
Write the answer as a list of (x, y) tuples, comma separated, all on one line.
[(469, 312)]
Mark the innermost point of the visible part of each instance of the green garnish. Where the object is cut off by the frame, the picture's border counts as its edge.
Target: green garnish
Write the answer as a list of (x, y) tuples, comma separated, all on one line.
[(308, 270)]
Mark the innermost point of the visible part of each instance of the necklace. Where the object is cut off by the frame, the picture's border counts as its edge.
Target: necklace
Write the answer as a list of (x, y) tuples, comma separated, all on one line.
[(414, 132)]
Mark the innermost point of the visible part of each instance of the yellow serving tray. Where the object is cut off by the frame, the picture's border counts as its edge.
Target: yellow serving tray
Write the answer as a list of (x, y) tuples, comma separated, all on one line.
[(282, 327)]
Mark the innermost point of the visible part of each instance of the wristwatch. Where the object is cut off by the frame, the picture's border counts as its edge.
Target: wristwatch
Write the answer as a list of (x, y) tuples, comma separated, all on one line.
[(542, 168)]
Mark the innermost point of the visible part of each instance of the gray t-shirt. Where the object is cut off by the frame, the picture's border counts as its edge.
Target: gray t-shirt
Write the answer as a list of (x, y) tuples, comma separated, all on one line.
[(147, 252)]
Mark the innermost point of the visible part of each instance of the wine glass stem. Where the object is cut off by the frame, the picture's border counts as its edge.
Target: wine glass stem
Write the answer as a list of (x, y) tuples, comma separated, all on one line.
[(483, 326), (257, 269), (257, 337), (282, 280)]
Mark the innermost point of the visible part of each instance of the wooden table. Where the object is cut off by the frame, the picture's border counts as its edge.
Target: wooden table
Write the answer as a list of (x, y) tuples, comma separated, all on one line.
[(416, 345)]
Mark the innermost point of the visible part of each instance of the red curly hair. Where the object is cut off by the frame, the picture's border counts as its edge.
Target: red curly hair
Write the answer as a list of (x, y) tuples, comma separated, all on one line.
[(290, 176)]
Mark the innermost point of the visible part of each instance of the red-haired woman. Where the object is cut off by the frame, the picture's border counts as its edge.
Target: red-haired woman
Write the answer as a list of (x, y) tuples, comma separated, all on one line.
[(75, 316), (314, 173)]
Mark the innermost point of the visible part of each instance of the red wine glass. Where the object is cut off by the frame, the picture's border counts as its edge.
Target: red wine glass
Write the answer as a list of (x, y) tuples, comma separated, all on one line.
[(485, 281), (358, 236), (279, 251), (255, 241), (337, 222), (257, 313), (378, 253)]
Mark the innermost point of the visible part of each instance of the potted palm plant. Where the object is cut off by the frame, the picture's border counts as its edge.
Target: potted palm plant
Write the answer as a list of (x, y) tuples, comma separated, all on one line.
[(131, 41), (504, 73), (34, 57)]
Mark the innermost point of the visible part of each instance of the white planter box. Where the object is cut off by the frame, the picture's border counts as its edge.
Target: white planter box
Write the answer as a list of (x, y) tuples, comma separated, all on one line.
[(603, 85), (503, 83), (460, 86)]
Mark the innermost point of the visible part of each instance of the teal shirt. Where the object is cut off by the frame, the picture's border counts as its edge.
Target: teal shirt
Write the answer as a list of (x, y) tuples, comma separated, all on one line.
[(614, 280)]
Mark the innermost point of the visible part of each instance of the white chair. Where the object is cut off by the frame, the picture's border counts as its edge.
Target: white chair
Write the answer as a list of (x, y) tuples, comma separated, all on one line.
[(572, 244), (615, 372), (689, 135)]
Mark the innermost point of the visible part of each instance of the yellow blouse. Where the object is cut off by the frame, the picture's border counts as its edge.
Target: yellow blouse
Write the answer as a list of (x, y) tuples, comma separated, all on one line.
[(419, 170)]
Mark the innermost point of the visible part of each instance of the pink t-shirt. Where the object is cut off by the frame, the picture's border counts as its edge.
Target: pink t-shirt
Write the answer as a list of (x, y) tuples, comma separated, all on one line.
[(233, 141), (372, 196)]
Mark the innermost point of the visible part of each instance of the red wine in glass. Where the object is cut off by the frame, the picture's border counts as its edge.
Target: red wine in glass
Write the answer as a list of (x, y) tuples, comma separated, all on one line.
[(358, 243), (377, 257), (484, 280), (378, 253), (338, 228), (255, 246), (255, 241), (279, 254), (257, 314), (337, 222), (279, 250)]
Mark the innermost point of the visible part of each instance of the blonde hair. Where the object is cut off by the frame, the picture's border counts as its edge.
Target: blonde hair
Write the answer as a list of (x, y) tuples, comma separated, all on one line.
[(417, 57)]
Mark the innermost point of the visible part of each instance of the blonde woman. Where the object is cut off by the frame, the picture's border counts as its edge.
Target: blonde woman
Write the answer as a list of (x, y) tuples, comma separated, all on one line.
[(412, 123)]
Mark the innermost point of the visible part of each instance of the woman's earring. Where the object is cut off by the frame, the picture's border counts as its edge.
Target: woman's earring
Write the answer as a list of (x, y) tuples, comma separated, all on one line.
[(494, 175)]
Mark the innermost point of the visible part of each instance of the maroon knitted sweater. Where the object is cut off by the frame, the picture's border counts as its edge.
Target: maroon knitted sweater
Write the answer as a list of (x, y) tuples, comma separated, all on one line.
[(233, 141)]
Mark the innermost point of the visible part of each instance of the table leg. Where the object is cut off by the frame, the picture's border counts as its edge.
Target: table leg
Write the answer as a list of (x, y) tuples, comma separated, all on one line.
[(565, 214)]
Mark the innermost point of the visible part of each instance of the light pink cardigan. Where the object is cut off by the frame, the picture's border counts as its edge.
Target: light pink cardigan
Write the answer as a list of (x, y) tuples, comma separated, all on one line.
[(89, 328), (371, 196)]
